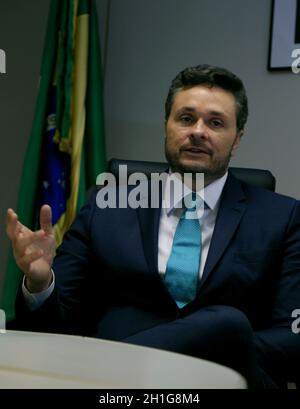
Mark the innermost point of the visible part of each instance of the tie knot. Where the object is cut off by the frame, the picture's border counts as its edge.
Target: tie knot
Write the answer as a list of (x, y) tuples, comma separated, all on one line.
[(192, 204)]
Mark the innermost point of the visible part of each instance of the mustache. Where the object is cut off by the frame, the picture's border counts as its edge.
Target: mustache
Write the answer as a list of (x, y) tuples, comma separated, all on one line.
[(197, 146)]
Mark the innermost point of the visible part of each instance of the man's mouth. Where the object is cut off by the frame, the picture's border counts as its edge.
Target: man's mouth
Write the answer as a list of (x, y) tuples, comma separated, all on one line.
[(197, 150)]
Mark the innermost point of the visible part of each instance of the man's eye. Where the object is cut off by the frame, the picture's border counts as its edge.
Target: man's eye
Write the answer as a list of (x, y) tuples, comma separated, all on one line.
[(186, 119), (216, 123)]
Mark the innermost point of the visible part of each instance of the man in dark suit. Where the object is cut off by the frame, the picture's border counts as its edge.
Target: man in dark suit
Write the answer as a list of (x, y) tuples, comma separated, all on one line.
[(113, 277)]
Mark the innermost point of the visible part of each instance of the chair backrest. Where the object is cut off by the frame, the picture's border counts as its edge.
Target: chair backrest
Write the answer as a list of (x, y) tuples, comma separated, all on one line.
[(257, 177)]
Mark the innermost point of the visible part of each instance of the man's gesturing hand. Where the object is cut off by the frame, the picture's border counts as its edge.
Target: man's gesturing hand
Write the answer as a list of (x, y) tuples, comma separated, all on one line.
[(33, 251)]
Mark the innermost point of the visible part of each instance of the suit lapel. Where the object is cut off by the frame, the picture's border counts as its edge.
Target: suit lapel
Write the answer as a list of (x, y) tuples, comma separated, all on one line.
[(149, 225), (232, 207)]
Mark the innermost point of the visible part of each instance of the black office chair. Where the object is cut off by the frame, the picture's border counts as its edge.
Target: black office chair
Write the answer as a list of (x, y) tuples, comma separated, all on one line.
[(257, 177)]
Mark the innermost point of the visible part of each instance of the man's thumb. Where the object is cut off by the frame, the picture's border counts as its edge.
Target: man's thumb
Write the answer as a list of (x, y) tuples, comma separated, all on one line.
[(46, 219)]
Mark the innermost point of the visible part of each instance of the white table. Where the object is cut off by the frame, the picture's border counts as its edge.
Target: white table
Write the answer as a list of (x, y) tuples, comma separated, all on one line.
[(36, 360)]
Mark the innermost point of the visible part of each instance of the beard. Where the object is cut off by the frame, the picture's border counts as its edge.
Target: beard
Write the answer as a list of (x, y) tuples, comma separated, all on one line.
[(216, 169)]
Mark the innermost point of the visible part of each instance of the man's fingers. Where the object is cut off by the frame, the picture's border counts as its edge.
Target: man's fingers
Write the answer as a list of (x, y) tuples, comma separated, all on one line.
[(12, 224), (24, 241), (46, 219), (29, 257)]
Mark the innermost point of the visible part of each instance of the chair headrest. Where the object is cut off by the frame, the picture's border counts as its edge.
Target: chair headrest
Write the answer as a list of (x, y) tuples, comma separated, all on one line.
[(257, 177)]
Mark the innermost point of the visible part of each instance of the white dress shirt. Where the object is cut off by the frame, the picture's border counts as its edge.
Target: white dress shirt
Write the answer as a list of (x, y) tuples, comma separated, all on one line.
[(169, 218)]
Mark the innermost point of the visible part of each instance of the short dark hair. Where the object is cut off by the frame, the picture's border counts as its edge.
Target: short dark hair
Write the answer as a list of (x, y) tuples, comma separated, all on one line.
[(210, 76)]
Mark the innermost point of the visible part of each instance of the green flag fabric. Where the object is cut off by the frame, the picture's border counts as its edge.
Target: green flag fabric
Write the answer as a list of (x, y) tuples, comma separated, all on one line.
[(66, 149)]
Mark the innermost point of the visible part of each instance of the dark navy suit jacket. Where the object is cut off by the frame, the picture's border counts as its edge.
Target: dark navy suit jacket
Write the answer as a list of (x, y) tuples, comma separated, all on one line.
[(107, 281)]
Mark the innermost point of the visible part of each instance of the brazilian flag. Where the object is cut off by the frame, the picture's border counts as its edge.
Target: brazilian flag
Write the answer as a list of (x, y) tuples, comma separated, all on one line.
[(66, 149)]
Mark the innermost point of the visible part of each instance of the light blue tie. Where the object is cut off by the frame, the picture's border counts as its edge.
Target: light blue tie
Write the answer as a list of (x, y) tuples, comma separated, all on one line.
[(182, 270)]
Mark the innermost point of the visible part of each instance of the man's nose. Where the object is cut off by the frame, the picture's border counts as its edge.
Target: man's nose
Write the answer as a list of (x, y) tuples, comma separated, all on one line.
[(199, 129)]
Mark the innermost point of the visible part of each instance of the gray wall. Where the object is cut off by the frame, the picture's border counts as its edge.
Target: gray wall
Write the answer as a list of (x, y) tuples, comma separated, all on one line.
[(148, 42), (151, 40)]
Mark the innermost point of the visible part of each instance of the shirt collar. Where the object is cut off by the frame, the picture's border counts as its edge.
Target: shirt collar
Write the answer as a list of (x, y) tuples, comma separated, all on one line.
[(210, 194), (214, 190)]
